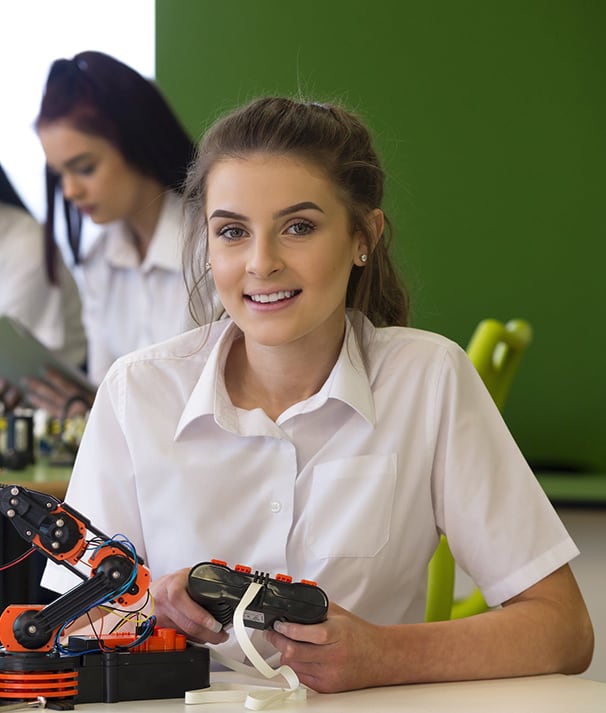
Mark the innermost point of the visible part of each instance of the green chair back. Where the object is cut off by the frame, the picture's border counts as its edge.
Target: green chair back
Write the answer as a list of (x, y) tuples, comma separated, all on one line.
[(495, 349)]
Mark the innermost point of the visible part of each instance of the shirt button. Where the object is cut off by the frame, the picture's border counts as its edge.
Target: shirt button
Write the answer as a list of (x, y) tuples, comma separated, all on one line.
[(275, 506)]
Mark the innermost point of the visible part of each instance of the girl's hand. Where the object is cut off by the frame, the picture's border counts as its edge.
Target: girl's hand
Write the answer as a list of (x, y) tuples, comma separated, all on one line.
[(58, 396), (175, 608), (9, 395), (343, 653)]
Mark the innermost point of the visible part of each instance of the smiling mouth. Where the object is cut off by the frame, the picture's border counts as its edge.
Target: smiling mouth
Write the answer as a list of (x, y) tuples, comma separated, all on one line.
[(274, 296)]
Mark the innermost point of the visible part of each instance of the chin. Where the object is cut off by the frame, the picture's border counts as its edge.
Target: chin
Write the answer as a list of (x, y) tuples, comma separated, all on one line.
[(102, 221)]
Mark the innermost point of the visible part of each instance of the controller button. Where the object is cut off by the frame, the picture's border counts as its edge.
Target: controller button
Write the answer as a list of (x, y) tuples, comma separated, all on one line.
[(284, 578), (221, 562), (309, 581), (242, 568)]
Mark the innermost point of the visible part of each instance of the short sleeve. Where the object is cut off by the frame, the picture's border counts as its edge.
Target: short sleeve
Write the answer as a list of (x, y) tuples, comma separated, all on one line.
[(501, 528)]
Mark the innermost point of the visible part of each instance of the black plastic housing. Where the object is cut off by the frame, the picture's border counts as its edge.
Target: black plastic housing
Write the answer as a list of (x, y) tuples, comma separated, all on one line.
[(122, 675), (219, 590), (127, 676)]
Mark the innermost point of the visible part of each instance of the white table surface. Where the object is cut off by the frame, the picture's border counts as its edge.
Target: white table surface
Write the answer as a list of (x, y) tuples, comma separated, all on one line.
[(551, 694)]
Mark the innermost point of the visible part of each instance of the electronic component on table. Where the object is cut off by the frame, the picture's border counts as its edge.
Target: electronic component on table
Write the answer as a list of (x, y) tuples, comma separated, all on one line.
[(34, 660)]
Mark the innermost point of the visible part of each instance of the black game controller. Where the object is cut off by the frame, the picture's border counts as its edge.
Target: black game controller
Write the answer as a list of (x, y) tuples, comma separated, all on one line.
[(219, 589)]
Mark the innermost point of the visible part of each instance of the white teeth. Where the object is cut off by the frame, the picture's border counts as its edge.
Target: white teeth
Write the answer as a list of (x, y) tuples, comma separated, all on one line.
[(273, 297)]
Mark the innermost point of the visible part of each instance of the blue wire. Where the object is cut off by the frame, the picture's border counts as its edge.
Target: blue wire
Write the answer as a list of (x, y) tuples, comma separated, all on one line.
[(123, 540)]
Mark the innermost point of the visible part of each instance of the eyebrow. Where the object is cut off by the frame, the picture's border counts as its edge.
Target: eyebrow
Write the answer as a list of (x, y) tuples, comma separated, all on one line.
[(305, 205)]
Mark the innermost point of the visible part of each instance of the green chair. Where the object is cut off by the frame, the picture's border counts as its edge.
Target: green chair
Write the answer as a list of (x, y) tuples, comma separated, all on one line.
[(495, 349)]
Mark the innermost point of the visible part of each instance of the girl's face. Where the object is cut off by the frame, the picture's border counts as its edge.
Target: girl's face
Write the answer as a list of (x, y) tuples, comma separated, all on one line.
[(281, 248), (94, 175)]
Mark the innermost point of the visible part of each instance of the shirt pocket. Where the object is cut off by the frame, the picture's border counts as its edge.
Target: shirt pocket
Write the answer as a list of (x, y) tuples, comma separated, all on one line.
[(351, 506)]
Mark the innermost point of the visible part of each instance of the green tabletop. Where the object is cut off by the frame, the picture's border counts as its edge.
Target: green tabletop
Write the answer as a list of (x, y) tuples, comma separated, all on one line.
[(561, 488), (50, 479), (564, 488)]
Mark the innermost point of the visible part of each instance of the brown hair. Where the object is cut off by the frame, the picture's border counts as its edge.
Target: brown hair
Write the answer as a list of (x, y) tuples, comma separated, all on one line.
[(337, 142)]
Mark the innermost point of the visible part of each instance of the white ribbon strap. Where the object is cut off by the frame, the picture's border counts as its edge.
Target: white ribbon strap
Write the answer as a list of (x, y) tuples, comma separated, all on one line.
[(257, 699)]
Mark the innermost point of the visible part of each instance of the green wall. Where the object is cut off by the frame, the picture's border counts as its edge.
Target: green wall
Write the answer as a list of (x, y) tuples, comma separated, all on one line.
[(491, 119)]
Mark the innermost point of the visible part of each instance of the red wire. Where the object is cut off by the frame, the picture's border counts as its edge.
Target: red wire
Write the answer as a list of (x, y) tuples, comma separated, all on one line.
[(25, 555)]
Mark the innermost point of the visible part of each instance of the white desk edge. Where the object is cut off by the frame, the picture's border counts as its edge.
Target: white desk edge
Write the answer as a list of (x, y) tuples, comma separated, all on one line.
[(536, 694)]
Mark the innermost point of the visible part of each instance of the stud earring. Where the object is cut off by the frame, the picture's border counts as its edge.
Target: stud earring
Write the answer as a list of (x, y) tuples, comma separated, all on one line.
[(208, 266), (363, 257)]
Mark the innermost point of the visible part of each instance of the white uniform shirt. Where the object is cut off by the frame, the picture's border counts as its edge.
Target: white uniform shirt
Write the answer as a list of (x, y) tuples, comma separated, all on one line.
[(51, 312), (349, 488), (129, 304)]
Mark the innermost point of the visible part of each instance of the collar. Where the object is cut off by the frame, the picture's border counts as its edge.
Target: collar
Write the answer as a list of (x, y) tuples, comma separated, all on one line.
[(164, 250), (348, 382)]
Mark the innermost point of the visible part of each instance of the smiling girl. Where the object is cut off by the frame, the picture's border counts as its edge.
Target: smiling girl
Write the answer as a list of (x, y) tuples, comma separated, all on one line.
[(315, 434)]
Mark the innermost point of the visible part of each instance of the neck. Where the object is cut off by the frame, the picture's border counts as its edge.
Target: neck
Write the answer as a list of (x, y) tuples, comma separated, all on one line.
[(275, 378), (144, 221)]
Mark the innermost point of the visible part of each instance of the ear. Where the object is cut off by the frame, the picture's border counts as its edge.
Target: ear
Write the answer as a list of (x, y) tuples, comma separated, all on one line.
[(376, 226), (376, 221)]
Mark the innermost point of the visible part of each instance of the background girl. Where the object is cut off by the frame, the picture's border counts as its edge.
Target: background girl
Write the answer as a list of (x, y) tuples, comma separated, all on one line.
[(118, 154)]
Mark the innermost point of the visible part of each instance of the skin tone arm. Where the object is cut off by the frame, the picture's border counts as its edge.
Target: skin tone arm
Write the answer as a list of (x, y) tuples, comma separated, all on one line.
[(545, 629)]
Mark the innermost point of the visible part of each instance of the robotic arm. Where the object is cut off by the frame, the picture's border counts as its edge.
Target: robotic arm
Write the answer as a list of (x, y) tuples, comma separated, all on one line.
[(117, 574)]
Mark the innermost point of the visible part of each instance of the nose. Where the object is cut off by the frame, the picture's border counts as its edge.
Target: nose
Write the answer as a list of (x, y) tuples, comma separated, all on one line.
[(264, 257), (71, 186)]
